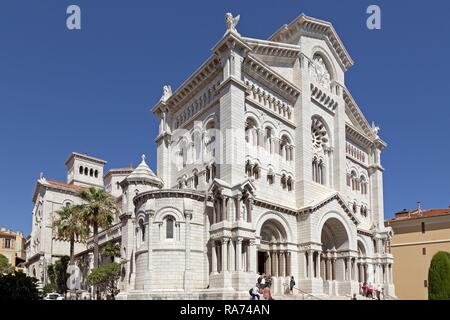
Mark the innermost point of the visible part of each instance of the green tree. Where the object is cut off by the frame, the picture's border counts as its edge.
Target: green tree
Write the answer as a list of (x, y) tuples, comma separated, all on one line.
[(18, 286), (70, 226), (105, 278), (5, 266), (57, 274), (111, 250), (439, 277), (98, 211), (61, 274)]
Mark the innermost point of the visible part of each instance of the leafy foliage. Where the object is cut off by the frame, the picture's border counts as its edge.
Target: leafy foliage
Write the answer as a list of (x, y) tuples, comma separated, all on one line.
[(49, 288), (70, 226), (105, 278), (111, 250), (57, 274), (5, 266), (439, 277), (18, 286)]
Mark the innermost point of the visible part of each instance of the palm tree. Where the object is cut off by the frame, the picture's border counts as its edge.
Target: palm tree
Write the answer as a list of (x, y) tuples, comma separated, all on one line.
[(111, 250), (70, 226), (98, 211)]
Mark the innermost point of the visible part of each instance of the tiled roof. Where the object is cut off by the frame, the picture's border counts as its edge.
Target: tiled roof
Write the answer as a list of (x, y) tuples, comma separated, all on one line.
[(415, 214), (64, 185)]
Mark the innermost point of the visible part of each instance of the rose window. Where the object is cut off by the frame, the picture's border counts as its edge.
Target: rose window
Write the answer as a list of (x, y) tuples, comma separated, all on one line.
[(319, 133)]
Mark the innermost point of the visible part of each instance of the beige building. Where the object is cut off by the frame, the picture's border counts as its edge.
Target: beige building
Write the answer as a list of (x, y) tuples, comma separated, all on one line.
[(12, 246), (418, 236)]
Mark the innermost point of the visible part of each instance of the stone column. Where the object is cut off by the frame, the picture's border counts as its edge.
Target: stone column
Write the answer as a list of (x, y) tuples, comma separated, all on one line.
[(310, 264), (151, 214), (213, 257), (349, 269), (187, 271), (238, 207), (224, 254), (252, 256), (269, 263), (318, 265), (282, 264), (287, 256), (328, 267), (231, 256), (275, 263), (214, 211), (249, 210), (224, 209), (239, 254)]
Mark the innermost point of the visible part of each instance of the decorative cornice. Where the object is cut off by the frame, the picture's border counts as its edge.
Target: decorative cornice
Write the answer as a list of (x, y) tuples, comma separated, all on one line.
[(191, 86), (315, 27), (276, 49), (355, 111), (254, 67)]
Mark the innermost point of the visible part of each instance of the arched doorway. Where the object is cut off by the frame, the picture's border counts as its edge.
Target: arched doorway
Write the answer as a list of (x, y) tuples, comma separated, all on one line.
[(335, 263), (273, 257)]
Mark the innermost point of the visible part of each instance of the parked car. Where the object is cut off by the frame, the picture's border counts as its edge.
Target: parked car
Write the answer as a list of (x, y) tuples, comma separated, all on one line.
[(54, 296)]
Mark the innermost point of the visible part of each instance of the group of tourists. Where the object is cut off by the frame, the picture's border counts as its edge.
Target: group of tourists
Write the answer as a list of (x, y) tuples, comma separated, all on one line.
[(368, 291), (262, 288)]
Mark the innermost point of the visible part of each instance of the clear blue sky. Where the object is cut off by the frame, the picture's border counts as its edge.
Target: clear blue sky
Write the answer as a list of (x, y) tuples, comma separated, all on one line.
[(91, 90)]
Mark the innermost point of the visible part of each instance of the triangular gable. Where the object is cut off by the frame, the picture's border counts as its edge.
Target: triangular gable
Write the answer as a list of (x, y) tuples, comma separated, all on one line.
[(304, 25), (323, 202)]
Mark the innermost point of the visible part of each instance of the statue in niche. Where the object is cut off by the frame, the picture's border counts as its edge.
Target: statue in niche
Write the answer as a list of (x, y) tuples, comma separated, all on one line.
[(320, 72)]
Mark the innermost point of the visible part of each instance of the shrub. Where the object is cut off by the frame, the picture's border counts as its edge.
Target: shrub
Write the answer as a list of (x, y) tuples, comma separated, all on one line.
[(105, 278), (18, 286), (439, 277)]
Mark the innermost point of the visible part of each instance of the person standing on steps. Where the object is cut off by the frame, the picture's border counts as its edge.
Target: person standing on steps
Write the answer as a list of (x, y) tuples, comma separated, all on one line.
[(292, 285)]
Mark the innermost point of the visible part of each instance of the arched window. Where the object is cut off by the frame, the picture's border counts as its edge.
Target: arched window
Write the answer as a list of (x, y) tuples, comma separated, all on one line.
[(183, 154), (285, 148), (251, 134), (96, 173), (195, 180), (363, 185), (248, 169), (91, 172), (81, 170), (353, 177), (269, 140), (86, 171), (289, 184), (256, 172), (321, 171), (169, 228), (118, 185), (271, 178), (283, 181), (354, 207), (314, 169), (142, 230)]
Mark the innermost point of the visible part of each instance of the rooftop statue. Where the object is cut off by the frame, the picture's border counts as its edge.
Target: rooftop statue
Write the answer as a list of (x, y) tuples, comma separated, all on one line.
[(231, 22)]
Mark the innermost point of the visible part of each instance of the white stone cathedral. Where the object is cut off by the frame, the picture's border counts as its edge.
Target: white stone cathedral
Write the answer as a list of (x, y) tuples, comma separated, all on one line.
[(265, 164)]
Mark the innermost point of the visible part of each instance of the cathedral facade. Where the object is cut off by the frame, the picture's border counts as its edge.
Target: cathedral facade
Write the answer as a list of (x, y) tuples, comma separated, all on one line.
[(265, 164), (269, 166)]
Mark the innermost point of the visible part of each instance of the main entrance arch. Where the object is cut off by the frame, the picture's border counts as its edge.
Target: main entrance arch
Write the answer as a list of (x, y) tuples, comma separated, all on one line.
[(273, 257)]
